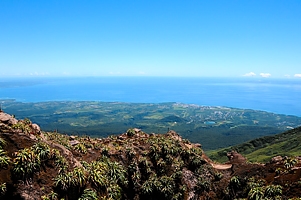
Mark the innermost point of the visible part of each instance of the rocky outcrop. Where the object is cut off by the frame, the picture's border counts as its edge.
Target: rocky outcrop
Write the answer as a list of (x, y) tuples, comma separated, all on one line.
[(236, 158), (7, 119), (36, 128), (277, 159), (68, 154), (190, 181)]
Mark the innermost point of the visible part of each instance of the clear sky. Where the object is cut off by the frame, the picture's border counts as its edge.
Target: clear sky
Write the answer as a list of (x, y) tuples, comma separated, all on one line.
[(212, 38)]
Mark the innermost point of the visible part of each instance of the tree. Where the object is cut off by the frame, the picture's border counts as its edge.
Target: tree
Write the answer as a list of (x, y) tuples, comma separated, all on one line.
[(2, 142), (154, 152), (25, 163), (41, 150), (24, 126), (61, 163), (81, 148), (167, 186), (3, 188), (105, 151), (114, 191), (27, 121), (117, 173), (235, 182), (136, 177), (88, 194), (97, 174), (53, 195), (130, 132), (203, 185), (147, 187), (234, 185), (273, 191), (196, 162), (4, 159), (64, 181), (130, 153), (290, 162), (79, 177), (256, 193)]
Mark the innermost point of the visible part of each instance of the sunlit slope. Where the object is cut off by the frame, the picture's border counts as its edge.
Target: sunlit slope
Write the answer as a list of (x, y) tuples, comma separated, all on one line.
[(264, 148)]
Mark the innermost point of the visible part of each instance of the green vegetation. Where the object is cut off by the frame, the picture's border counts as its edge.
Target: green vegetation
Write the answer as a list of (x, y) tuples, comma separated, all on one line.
[(132, 165), (213, 127), (4, 159), (264, 148), (152, 168)]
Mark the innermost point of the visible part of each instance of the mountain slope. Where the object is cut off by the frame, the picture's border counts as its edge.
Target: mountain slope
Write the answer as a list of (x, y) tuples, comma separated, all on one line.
[(264, 148), (134, 165)]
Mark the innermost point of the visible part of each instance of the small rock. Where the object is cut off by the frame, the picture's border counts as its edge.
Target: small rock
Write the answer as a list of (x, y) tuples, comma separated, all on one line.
[(74, 142), (120, 137), (137, 130), (36, 128), (276, 159), (198, 145), (235, 157), (72, 137), (33, 137)]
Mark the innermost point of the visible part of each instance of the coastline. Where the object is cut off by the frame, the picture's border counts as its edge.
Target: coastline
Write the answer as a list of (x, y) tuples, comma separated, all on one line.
[(273, 95)]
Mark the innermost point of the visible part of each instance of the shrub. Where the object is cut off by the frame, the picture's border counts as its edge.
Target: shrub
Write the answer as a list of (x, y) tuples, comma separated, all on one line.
[(130, 132), (4, 159)]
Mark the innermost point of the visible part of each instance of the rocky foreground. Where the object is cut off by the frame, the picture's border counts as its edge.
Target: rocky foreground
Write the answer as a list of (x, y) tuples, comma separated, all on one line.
[(134, 165)]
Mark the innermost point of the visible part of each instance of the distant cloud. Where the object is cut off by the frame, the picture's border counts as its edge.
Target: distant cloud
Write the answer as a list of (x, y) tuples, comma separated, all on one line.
[(265, 75), (250, 74), (287, 75), (115, 73), (141, 73), (297, 75), (34, 74), (38, 73)]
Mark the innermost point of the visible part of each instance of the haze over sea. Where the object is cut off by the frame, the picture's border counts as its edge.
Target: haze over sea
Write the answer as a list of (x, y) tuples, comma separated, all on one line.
[(281, 96)]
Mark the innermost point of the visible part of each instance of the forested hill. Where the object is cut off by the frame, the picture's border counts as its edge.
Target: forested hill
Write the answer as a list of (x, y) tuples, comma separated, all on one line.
[(214, 127), (35, 164), (264, 148)]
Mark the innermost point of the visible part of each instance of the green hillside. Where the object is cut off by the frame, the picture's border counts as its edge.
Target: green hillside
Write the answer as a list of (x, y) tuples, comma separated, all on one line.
[(214, 127), (265, 148)]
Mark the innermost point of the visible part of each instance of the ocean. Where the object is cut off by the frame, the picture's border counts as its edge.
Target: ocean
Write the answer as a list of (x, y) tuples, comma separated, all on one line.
[(281, 96)]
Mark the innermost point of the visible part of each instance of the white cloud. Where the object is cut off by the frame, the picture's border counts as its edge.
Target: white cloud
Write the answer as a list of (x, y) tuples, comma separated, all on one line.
[(297, 75), (115, 73), (141, 73), (250, 74), (38, 73), (65, 73), (34, 74), (287, 75), (265, 75)]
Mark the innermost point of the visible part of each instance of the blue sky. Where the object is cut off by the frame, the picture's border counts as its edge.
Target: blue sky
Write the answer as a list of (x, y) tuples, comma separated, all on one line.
[(215, 38)]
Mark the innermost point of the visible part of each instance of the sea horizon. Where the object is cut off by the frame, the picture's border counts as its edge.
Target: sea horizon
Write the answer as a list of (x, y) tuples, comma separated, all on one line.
[(280, 96)]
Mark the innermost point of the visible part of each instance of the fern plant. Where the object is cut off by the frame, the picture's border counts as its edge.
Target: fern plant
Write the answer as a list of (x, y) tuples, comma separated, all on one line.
[(4, 159)]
